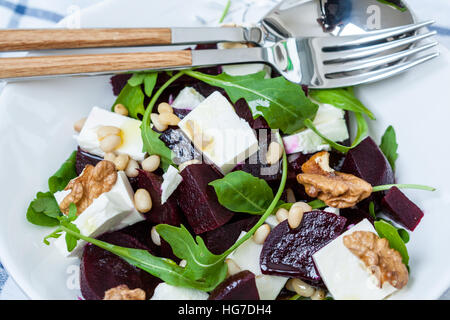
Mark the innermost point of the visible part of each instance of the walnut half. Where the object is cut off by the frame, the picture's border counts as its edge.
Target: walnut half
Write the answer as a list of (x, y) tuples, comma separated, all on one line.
[(336, 189), (381, 260), (89, 185), (122, 292)]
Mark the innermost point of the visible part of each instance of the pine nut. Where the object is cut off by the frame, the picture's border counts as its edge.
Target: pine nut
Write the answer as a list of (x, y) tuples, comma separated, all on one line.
[(120, 109), (233, 268), (274, 152), (319, 294), (158, 124), (261, 234), (131, 169), (169, 119), (301, 288), (142, 201), (151, 163), (185, 164), (303, 205), (155, 236), (110, 156), (164, 107), (78, 126), (295, 217), (105, 131), (290, 196), (282, 214), (110, 143), (121, 162), (183, 263)]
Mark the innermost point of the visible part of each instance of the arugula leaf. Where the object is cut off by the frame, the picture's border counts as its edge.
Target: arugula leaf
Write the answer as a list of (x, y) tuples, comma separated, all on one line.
[(388, 231), (372, 210), (403, 234), (137, 79), (317, 204), (152, 143), (43, 210), (150, 83), (340, 98), (282, 103), (385, 187), (61, 178), (225, 11), (389, 146), (361, 134), (240, 191), (132, 98)]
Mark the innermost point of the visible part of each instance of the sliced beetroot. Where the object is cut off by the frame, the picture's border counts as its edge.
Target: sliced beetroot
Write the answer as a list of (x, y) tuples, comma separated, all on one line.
[(101, 270), (368, 162), (198, 200), (288, 252), (167, 213), (401, 209), (84, 158), (180, 145), (354, 216), (118, 82), (243, 111), (222, 238), (241, 286)]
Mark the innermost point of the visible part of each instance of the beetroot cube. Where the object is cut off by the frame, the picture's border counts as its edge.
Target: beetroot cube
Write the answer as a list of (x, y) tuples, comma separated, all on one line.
[(401, 209), (199, 201), (241, 286), (288, 252), (167, 213), (368, 162)]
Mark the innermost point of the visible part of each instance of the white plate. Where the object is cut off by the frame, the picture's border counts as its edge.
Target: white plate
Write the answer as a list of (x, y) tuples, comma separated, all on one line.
[(36, 137)]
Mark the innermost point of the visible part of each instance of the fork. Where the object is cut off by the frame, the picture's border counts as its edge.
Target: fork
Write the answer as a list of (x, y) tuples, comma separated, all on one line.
[(320, 62)]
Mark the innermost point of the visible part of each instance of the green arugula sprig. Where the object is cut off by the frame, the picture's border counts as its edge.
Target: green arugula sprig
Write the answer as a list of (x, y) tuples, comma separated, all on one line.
[(66, 221), (225, 11), (44, 210), (282, 103), (203, 271), (389, 146), (396, 237)]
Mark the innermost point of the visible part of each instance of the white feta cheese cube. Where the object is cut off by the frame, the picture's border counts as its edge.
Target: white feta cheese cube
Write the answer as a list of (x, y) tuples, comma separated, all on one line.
[(217, 131), (272, 221), (171, 180), (344, 274), (245, 69), (246, 256), (335, 211), (132, 144), (111, 211), (164, 291), (188, 98), (329, 121)]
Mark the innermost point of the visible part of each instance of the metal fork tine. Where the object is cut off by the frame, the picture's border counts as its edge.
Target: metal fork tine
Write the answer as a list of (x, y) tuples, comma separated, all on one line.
[(358, 53), (345, 41), (378, 74), (374, 62)]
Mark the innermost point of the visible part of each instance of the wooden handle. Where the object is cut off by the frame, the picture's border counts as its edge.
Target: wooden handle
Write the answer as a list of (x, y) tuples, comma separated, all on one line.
[(40, 39), (92, 63)]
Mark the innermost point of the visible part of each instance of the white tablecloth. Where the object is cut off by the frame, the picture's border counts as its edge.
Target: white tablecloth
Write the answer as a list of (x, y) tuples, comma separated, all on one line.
[(44, 13)]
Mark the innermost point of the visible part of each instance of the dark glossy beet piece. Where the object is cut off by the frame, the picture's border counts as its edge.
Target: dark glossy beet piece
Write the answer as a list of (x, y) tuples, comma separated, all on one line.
[(368, 162), (198, 200), (288, 252), (84, 158), (181, 146), (243, 111), (118, 82), (141, 232), (167, 213), (354, 216), (401, 209), (222, 238), (101, 270), (241, 286)]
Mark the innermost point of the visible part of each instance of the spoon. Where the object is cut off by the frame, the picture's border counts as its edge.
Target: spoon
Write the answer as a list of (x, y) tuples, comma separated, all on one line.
[(289, 19)]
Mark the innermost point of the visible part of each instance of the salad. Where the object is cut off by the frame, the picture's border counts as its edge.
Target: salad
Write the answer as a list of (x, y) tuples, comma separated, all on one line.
[(230, 183)]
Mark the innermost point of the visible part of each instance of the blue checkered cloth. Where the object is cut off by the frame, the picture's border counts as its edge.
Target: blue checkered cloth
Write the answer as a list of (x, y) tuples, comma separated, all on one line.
[(45, 13)]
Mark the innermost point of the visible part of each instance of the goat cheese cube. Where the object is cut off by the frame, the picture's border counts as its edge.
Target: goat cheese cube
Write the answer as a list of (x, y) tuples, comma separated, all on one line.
[(188, 99), (171, 180), (215, 129), (329, 121), (111, 211), (344, 274), (164, 291), (132, 144), (246, 256)]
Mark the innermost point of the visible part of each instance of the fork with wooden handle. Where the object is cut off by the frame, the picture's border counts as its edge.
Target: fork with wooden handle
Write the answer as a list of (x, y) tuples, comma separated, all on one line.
[(316, 62)]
